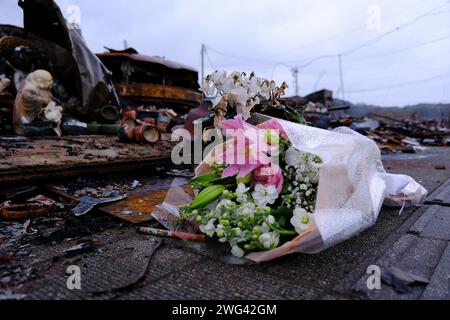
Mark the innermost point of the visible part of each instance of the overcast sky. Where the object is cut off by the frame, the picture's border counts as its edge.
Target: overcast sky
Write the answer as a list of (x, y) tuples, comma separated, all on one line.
[(380, 65)]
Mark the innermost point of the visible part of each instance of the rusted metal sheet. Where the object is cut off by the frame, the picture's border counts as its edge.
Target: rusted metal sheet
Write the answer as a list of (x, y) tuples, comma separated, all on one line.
[(149, 80), (23, 211), (140, 203), (138, 206), (155, 91), (148, 59)]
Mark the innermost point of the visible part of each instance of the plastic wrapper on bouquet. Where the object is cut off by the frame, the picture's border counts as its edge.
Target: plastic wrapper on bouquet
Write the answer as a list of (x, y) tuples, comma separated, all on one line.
[(352, 188)]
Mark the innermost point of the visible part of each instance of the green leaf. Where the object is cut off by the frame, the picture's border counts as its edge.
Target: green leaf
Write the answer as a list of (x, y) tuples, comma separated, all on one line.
[(281, 221), (282, 215), (282, 212), (204, 180), (285, 187), (207, 196)]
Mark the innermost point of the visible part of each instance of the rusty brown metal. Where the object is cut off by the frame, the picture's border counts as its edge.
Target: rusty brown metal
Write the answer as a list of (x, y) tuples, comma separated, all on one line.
[(155, 91), (138, 206), (150, 80), (140, 203), (148, 59), (22, 211)]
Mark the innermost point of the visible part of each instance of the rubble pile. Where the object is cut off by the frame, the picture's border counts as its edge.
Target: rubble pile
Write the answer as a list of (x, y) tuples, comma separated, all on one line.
[(393, 135), (51, 84)]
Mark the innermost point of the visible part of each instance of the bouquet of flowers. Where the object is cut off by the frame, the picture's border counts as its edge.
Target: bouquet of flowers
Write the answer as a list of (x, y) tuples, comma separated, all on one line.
[(275, 186), (257, 191)]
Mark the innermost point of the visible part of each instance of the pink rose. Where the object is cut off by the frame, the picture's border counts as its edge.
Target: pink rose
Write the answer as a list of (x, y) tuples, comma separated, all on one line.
[(269, 175)]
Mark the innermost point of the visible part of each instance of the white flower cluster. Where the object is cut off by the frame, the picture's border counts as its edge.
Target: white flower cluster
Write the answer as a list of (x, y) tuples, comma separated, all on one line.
[(302, 172), (243, 220), (238, 90), (265, 195)]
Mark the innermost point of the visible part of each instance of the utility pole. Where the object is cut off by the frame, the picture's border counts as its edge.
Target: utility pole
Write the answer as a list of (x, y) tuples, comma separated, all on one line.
[(295, 74), (341, 77), (202, 52)]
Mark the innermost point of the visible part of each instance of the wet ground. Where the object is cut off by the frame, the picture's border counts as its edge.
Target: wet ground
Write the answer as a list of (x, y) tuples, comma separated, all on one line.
[(118, 263)]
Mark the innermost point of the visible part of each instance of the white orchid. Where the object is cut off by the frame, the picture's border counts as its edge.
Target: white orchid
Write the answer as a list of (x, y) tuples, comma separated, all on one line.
[(218, 77), (268, 89), (237, 77), (254, 86), (253, 102), (238, 90), (228, 85), (238, 96), (265, 195), (208, 89)]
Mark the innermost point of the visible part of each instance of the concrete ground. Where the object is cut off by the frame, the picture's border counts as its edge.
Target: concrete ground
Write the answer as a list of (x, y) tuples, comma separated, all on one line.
[(122, 264)]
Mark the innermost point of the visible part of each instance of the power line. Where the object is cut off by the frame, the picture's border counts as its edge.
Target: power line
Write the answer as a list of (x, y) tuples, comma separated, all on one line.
[(209, 60), (398, 28), (319, 77), (368, 43), (376, 39), (380, 77), (313, 43), (383, 54), (227, 54), (401, 84), (404, 70), (344, 54), (363, 58), (342, 33)]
